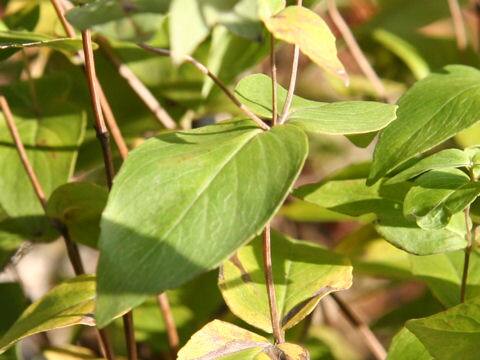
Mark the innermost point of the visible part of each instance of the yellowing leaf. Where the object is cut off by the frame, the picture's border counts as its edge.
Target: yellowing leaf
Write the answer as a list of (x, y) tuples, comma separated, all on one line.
[(302, 27)]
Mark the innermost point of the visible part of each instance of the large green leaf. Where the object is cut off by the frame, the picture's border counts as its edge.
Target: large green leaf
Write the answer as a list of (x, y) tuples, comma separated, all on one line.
[(452, 334), (443, 275), (183, 202), (304, 28), (450, 158), (70, 303), (221, 340), (303, 274), (406, 346), (344, 117), (79, 206), (52, 140), (450, 102)]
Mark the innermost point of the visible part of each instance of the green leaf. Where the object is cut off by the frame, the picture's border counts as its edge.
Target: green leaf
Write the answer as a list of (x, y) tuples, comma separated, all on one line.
[(103, 11), (268, 8), (221, 340), (406, 346), (343, 117), (443, 275), (438, 195), (183, 202), (79, 206), (69, 352), (304, 28), (51, 140), (303, 274), (22, 39), (70, 303), (450, 103), (12, 303), (450, 158), (452, 334)]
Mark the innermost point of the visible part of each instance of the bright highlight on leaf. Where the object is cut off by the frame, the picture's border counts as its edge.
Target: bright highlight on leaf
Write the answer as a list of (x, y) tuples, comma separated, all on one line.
[(294, 264), (344, 117), (185, 201), (304, 28), (70, 303)]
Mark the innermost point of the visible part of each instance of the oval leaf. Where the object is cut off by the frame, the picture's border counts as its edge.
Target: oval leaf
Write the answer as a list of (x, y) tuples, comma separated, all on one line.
[(183, 202), (304, 28), (70, 303), (343, 117), (440, 105), (303, 274)]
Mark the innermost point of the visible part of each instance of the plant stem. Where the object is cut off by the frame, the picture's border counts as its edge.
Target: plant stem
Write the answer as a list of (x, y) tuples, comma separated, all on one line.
[(204, 70), (356, 51), (129, 329), (272, 301), (72, 249), (371, 340), (293, 81), (458, 24), (172, 334), (137, 86), (470, 235), (273, 71)]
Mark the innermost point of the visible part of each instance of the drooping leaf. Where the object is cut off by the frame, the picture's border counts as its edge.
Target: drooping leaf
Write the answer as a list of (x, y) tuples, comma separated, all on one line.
[(438, 195), (183, 202), (450, 102), (221, 340), (79, 206), (452, 334), (348, 117), (303, 274), (51, 140), (304, 28), (70, 303), (443, 275), (450, 158), (406, 346)]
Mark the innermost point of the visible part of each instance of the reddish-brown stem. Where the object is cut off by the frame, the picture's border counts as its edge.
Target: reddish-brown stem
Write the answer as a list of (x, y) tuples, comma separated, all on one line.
[(204, 70), (72, 249), (371, 340), (272, 299), (458, 24), (273, 71), (172, 334), (137, 86), (129, 329), (293, 80), (356, 51)]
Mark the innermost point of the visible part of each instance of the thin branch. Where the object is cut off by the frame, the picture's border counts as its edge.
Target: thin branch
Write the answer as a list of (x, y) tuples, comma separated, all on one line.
[(100, 127), (204, 70), (137, 86), (293, 81), (458, 24), (272, 301), (104, 104), (470, 236), (72, 249), (371, 340), (273, 71), (172, 334), (356, 51), (129, 329)]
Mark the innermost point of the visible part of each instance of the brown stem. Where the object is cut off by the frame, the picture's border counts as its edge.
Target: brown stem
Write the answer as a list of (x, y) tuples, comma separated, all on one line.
[(458, 24), (204, 70), (293, 81), (273, 70), (137, 86), (356, 51), (61, 16), (172, 334), (272, 301), (130, 337), (371, 340), (72, 249)]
